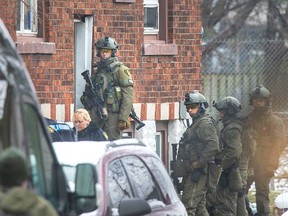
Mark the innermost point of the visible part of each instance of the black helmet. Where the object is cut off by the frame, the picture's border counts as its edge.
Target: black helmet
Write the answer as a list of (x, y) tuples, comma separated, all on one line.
[(230, 105), (195, 98), (106, 43), (260, 92)]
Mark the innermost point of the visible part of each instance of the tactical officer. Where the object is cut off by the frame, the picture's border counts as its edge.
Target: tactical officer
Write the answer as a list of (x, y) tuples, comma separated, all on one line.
[(114, 85), (15, 198), (248, 152), (84, 129), (270, 138), (197, 148), (230, 139)]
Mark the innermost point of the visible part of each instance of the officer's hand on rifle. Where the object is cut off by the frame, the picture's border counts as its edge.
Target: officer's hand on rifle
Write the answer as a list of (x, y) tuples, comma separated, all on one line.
[(122, 125), (195, 165)]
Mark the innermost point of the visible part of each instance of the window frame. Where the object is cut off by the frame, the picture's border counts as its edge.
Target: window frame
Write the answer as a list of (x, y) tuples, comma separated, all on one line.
[(162, 35), (159, 44), (152, 4), (32, 13)]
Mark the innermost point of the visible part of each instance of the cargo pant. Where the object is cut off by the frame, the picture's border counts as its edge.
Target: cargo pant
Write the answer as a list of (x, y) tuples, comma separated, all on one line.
[(226, 202), (194, 196), (262, 182), (230, 183), (214, 172), (241, 203), (111, 129)]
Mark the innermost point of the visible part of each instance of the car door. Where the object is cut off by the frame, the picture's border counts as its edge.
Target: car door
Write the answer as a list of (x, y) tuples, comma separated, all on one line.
[(133, 176), (173, 205), (22, 125), (129, 177)]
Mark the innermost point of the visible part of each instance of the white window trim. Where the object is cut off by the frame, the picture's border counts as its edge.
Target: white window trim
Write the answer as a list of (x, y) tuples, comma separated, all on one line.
[(152, 4), (159, 135), (34, 19)]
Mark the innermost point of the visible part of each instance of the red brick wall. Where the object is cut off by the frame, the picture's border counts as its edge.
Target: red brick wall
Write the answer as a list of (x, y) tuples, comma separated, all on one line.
[(158, 79), (9, 16)]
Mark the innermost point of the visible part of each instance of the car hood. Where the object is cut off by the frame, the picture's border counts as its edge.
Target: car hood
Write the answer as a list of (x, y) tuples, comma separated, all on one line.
[(73, 153)]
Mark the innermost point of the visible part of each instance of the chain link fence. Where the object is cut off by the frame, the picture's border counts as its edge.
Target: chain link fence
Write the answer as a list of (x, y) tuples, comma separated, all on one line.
[(237, 66)]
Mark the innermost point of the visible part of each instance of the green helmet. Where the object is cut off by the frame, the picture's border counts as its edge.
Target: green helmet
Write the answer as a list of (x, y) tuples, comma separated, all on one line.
[(260, 92), (106, 43), (196, 98), (230, 105)]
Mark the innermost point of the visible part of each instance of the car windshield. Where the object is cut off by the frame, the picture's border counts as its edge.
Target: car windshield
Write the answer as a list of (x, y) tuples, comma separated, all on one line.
[(70, 154)]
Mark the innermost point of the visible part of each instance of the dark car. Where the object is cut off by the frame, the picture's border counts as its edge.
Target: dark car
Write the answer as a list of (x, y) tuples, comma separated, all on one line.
[(23, 126), (131, 176)]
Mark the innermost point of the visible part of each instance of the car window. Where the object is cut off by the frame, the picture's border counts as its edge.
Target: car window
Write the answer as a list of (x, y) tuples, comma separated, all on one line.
[(145, 185), (129, 177), (160, 173), (118, 185), (41, 160)]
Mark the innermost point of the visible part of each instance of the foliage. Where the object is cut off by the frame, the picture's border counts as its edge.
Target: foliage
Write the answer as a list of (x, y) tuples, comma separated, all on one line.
[(224, 19)]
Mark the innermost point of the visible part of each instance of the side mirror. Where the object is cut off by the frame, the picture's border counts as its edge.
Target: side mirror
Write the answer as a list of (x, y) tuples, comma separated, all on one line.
[(132, 207), (85, 188)]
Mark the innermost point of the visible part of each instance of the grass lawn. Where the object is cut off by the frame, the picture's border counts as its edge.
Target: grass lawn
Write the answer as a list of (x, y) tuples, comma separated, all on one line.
[(272, 196)]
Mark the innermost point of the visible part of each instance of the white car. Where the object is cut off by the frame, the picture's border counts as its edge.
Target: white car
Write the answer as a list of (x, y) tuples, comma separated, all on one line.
[(133, 179)]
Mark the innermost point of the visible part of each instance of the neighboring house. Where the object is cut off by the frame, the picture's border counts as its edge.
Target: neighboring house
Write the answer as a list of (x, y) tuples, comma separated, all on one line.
[(160, 40)]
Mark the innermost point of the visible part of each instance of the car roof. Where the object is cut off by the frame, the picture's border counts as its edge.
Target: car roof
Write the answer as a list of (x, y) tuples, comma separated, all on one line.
[(73, 153)]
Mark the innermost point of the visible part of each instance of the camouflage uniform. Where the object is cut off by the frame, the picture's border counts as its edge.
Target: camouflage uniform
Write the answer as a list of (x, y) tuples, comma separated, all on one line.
[(15, 199), (115, 85), (269, 142), (198, 143), (270, 134), (230, 139), (248, 152), (18, 201)]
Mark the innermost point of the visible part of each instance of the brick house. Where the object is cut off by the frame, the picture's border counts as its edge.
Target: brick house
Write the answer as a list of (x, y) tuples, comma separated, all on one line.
[(160, 40)]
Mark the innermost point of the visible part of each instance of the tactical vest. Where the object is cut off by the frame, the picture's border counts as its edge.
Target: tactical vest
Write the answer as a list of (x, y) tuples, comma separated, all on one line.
[(233, 124), (108, 85), (192, 144)]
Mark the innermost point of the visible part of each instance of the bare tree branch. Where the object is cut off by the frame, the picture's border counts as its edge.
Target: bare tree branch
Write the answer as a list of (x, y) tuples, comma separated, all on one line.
[(232, 29)]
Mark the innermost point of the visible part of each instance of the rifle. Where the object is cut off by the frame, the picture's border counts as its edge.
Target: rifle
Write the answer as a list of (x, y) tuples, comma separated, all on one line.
[(134, 116), (97, 99), (175, 180), (99, 102)]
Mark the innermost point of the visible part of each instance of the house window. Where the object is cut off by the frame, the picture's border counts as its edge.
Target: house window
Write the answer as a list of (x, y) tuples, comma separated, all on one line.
[(27, 17), (151, 16), (156, 21), (156, 41)]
